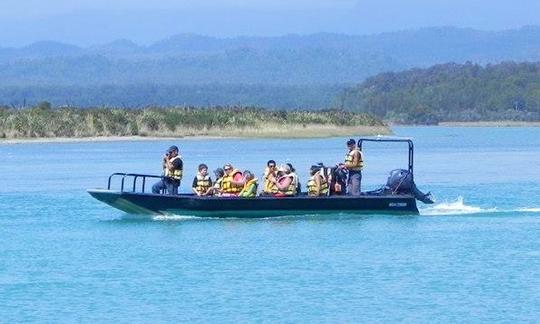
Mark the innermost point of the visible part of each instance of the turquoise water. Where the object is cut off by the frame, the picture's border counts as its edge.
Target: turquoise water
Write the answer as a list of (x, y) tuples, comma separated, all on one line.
[(474, 256)]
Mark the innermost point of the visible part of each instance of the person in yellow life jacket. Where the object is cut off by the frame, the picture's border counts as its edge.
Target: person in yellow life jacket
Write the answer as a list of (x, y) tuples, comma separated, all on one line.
[(232, 182), (286, 182), (250, 186), (269, 175), (354, 162), (296, 180), (216, 189), (172, 172), (202, 181), (317, 185)]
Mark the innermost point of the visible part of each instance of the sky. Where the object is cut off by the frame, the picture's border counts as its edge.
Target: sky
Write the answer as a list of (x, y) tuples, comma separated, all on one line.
[(88, 22)]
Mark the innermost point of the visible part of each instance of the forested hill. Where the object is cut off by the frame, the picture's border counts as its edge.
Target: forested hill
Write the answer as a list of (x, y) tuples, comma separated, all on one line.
[(267, 71), (450, 92)]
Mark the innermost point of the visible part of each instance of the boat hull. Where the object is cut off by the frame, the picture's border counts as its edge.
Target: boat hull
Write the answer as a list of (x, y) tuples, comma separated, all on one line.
[(190, 205)]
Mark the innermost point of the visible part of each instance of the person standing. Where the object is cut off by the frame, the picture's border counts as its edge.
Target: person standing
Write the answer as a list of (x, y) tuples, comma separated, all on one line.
[(172, 172), (354, 162)]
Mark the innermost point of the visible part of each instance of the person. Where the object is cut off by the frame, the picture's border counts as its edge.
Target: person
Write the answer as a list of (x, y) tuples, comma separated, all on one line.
[(172, 172), (202, 181), (232, 182), (296, 180), (216, 189), (269, 175), (285, 182), (354, 162), (250, 185), (317, 185)]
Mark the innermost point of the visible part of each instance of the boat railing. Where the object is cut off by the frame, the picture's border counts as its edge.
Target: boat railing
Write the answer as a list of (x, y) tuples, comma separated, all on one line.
[(133, 177)]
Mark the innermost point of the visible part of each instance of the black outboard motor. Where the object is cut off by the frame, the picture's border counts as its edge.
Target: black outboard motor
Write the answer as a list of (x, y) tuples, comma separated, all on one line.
[(401, 182)]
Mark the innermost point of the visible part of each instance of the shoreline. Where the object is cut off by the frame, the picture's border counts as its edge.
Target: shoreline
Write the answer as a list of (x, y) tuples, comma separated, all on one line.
[(323, 132), (501, 123)]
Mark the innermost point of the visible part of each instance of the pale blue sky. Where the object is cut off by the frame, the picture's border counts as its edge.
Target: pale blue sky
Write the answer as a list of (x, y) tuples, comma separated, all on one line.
[(88, 22)]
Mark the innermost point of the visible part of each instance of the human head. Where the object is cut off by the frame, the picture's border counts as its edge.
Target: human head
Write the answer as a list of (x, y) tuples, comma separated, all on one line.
[(228, 168), (271, 164), (219, 172), (248, 175), (351, 143), (291, 167), (172, 150), (203, 169), (313, 169), (284, 168)]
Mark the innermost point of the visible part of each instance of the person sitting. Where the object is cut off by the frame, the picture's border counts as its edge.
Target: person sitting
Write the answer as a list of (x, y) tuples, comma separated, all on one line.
[(286, 182), (216, 189), (250, 185), (317, 185), (232, 182), (172, 172), (269, 188), (202, 181), (296, 180)]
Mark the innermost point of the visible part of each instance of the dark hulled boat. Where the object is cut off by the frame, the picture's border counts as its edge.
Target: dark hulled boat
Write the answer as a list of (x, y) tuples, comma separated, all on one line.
[(136, 201)]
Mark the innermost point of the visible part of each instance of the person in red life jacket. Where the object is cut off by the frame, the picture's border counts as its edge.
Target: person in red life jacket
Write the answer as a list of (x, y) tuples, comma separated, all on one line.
[(232, 182), (172, 172), (286, 182)]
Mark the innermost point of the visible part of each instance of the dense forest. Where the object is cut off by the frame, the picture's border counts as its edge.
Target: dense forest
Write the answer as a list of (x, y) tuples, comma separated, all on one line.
[(450, 92), (287, 72), (43, 121)]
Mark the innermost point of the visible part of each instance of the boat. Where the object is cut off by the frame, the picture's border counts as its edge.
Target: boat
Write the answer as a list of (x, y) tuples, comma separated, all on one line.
[(398, 197)]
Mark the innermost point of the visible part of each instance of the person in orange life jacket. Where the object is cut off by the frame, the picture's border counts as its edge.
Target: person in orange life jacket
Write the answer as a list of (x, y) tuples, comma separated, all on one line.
[(285, 182), (172, 172), (232, 182), (354, 162), (202, 181)]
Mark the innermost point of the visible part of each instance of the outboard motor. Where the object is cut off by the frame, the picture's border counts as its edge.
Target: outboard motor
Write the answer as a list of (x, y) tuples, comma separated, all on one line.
[(401, 182)]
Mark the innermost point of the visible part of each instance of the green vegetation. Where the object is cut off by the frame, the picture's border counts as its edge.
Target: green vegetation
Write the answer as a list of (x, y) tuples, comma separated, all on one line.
[(43, 121), (450, 92)]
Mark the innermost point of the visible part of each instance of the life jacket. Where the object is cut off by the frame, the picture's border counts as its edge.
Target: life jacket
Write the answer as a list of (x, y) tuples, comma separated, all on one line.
[(349, 158), (291, 189), (176, 174), (227, 184), (250, 193), (269, 186), (203, 183), (312, 185)]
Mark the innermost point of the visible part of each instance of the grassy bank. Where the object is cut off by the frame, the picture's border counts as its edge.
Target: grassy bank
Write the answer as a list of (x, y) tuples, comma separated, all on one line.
[(46, 122)]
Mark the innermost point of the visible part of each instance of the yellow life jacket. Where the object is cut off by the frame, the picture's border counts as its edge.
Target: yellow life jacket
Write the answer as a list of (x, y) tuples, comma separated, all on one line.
[(291, 189), (312, 185), (269, 186), (227, 184), (349, 158), (176, 174), (250, 193), (203, 183)]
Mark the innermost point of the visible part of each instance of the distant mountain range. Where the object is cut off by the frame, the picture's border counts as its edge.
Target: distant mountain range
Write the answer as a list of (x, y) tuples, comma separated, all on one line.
[(316, 60)]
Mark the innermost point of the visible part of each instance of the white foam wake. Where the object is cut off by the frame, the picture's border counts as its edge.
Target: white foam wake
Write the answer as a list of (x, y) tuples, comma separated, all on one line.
[(529, 210), (173, 217), (457, 207)]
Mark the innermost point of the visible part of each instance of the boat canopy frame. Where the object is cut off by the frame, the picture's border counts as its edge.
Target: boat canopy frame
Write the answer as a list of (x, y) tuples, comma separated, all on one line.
[(390, 139)]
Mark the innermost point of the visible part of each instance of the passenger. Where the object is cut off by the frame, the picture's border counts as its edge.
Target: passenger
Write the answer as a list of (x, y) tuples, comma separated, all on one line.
[(233, 181), (250, 186), (296, 180), (202, 181), (354, 162), (317, 185), (269, 175), (286, 182), (172, 172), (216, 189)]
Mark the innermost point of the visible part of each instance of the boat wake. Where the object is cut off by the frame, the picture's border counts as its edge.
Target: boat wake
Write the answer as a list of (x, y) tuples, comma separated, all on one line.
[(529, 210), (457, 207)]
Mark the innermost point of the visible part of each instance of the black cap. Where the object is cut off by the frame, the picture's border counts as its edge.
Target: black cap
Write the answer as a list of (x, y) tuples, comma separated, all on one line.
[(351, 142), (172, 148)]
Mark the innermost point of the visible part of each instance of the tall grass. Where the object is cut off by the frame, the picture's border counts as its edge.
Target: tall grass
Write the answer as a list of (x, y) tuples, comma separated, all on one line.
[(45, 121)]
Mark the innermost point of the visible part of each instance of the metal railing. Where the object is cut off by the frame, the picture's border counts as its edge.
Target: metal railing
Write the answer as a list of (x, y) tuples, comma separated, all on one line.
[(134, 177)]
